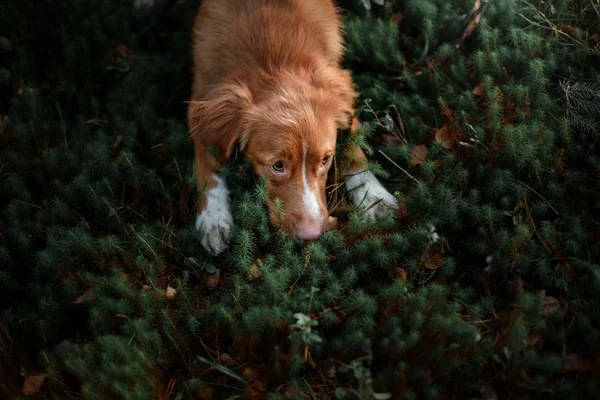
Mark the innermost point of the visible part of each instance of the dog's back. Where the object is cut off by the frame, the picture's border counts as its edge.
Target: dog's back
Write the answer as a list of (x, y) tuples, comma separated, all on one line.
[(269, 35)]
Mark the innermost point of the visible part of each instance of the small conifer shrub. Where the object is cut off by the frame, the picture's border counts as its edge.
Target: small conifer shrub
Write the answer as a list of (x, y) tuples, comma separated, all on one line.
[(482, 118)]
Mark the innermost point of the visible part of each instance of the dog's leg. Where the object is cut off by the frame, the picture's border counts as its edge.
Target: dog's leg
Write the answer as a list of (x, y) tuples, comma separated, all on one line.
[(364, 189), (214, 216)]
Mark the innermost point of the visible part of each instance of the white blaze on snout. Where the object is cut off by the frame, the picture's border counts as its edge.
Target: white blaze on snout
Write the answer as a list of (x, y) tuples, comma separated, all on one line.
[(309, 199)]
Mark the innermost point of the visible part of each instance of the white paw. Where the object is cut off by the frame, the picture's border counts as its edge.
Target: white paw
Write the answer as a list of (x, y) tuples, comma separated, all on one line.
[(216, 220), (365, 191)]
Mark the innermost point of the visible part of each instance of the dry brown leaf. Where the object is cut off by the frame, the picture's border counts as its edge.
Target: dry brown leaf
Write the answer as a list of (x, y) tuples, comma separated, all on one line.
[(89, 295), (397, 18), (402, 211), (255, 271), (96, 121), (580, 362), (170, 292), (474, 17), (226, 360), (418, 154), (118, 141), (534, 339), (443, 136), (550, 305), (212, 280), (332, 223), (432, 258), (479, 90), (568, 29), (33, 383), (249, 373), (20, 91), (398, 273)]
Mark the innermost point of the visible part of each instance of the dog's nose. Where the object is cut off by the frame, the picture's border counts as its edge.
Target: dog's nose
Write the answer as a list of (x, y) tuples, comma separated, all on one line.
[(309, 231)]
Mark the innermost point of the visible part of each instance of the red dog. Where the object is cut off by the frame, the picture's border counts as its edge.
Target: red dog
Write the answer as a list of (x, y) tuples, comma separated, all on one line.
[(268, 77)]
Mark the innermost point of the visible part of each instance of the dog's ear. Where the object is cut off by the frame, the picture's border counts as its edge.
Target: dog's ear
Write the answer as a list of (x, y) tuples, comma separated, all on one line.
[(346, 94), (338, 84), (217, 120)]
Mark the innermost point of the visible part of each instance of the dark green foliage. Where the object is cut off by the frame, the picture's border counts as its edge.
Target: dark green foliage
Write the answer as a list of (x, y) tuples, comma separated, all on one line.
[(487, 281)]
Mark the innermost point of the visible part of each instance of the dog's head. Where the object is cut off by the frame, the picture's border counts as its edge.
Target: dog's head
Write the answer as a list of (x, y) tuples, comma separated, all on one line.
[(287, 127)]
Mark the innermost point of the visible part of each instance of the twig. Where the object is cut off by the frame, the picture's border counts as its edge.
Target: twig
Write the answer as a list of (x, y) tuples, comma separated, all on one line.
[(401, 169), (541, 197)]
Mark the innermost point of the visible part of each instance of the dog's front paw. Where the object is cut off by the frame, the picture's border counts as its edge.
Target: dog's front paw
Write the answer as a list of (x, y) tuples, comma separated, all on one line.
[(216, 220), (365, 191)]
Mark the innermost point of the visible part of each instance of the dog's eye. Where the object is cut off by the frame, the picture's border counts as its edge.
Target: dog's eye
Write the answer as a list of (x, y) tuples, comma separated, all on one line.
[(277, 167), (325, 160)]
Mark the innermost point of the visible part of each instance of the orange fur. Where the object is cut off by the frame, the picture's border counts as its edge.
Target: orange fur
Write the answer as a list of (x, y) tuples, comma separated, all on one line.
[(267, 76)]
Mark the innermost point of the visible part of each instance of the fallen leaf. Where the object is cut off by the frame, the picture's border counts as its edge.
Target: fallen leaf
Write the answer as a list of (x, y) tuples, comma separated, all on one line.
[(550, 305), (33, 383), (118, 141), (398, 273), (418, 154), (479, 89), (397, 18), (568, 29), (96, 121), (226, 360), (212, 280), (474, 17), (249, 373), (443, 136), (534, 339), (89, 295), (145, 287), (255, 271), (20, 91), (332, 222), (122, 52), (580, 362), (432, 258), (310, 360), (170, 292)]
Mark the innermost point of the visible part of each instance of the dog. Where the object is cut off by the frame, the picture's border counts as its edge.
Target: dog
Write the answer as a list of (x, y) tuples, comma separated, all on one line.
[(267, 78)]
